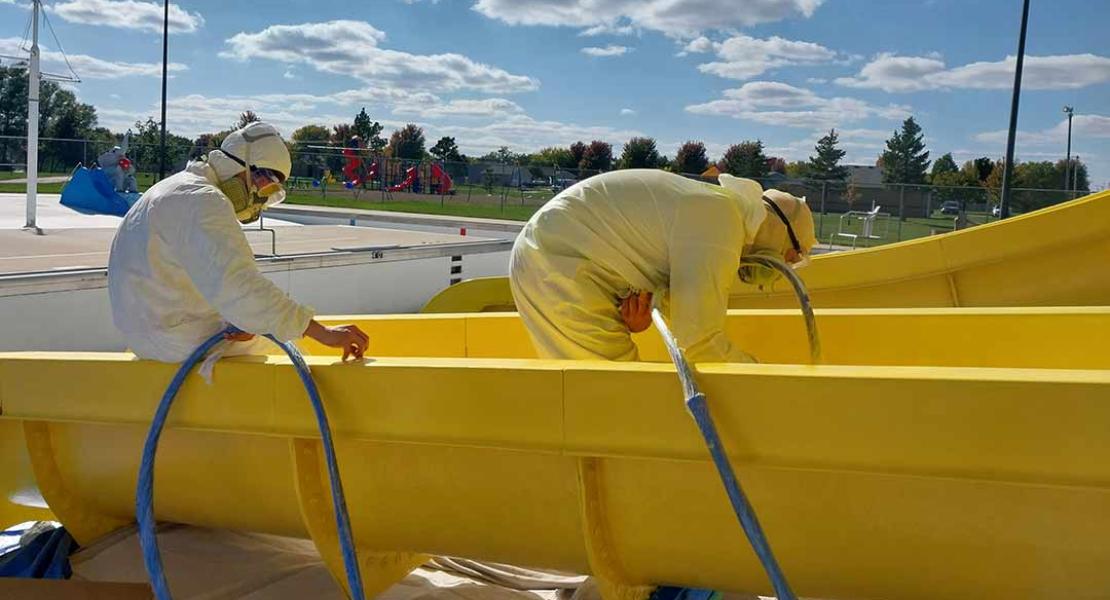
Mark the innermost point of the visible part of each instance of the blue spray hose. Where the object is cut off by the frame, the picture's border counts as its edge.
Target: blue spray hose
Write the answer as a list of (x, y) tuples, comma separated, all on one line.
[(144, 494), (699, 409)]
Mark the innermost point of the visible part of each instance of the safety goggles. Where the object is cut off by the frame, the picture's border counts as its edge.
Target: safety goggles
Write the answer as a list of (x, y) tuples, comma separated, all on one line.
[(268, 184), (798, 258)]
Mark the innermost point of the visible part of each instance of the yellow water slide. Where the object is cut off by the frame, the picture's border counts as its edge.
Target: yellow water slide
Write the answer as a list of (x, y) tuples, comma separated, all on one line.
[(939, 453), (1053, 257)]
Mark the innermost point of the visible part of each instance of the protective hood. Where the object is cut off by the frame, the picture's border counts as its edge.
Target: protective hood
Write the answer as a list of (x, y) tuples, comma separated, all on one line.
[(750, 195), (258, 145), (773, 237)]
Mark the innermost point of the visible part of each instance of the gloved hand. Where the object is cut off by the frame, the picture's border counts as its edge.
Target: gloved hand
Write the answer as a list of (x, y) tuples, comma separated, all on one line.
[(636, 312), (350, 338)]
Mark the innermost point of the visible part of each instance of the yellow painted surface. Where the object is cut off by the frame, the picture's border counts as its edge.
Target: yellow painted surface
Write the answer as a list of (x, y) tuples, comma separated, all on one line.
[(896, 482), (1052, 257), (1060, 338)]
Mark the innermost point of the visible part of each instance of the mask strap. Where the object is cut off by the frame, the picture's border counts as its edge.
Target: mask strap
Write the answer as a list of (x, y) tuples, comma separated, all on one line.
[(785, 221)]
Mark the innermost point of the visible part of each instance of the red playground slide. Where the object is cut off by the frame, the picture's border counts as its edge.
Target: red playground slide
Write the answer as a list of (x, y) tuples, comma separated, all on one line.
[(410, 176), (350, 171), (444, 179)]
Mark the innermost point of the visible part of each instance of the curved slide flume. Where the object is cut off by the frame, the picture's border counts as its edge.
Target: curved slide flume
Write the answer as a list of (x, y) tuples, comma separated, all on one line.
[(936, 452), (1051, 257)]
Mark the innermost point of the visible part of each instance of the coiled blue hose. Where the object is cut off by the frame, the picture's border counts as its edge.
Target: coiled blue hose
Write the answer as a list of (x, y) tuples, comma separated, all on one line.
[(144, 493)]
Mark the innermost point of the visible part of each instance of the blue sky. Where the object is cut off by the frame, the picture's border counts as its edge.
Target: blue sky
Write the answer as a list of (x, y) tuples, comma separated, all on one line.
[(532, 73)]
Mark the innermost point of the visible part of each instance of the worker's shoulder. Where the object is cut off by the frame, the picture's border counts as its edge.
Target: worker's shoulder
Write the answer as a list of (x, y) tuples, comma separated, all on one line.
[(187, 190)]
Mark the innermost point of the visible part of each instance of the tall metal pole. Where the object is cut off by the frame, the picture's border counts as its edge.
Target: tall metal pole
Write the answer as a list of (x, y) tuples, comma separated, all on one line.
[(165, 57), (1008, 167), (32, 167), (1075, 177), (1069, 111)]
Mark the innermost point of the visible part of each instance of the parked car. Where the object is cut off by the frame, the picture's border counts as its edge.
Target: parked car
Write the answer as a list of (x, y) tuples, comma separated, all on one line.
[(950, 207)]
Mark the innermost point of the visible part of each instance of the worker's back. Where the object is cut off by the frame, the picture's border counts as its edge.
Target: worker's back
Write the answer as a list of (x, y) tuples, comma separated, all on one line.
[(625, 222)]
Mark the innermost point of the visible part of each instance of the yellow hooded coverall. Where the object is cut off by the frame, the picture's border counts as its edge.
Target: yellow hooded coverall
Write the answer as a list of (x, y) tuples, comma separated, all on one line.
[(627, 231)]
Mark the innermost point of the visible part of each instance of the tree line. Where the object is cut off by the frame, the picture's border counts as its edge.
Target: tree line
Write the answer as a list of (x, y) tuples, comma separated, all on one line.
[(905, 159)]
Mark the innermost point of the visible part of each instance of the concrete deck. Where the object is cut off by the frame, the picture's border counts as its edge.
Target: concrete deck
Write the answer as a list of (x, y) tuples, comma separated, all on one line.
[(73, 248), (74, 241), (292, 211)]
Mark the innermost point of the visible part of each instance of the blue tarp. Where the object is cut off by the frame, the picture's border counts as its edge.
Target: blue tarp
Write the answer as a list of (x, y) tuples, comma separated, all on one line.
[(45, 556), (90, 191)]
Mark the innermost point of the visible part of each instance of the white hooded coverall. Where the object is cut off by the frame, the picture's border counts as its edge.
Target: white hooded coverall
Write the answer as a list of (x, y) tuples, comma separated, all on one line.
[(180, 270), (625, 231)]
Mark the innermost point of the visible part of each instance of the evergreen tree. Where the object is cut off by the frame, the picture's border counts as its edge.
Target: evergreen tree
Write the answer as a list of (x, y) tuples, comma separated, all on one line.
[(826, 165), (905, 159), (639, 153), (446, 149), (746, 159), (369, 132), (246, 118)]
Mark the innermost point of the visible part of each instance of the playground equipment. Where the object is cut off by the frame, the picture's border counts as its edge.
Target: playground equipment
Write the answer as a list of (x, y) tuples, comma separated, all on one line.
[(411, 182), (901, 469), (440, 177), (1035, 259), (90, 190)]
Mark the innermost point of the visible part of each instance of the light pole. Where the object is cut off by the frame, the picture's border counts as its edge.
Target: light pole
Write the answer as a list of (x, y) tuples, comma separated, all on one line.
[(1008, 168), (1075, 177), (165, 55), (1069, 111), (32, 166)]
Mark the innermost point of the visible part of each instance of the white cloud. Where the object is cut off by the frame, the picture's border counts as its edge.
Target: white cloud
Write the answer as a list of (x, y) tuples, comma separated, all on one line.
[(88, 67), (698, 45), (776, 103), (525, 134), (128, 14), (1083, 127), (195, 114), (289, 74), (353, 48), (610, 50), (680, 18), (893, 73), (608, 30), (489, 107), (744, 57), (627, 112)]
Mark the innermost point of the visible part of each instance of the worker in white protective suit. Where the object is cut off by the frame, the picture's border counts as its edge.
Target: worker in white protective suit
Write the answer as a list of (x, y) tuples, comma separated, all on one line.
[(586, 266), (181, 270)]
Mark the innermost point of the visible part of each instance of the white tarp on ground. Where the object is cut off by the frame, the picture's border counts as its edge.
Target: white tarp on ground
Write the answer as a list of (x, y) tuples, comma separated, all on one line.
[(225, 565)]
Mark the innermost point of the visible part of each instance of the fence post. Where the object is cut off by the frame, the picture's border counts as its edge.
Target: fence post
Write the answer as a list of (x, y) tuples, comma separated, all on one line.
[(901, 209), (824, 195)]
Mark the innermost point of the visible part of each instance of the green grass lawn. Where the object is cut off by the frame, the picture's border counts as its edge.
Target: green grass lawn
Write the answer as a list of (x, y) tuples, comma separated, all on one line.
[(484, 204), (144, 180), (431, 207), (19, 175)]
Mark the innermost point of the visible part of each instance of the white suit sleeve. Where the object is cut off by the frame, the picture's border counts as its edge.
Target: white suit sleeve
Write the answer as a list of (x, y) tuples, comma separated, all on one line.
[(705, 247), (213, 250)]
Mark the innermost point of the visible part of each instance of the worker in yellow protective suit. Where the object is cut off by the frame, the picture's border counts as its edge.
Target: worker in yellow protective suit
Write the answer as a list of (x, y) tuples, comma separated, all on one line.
[(585, 267)]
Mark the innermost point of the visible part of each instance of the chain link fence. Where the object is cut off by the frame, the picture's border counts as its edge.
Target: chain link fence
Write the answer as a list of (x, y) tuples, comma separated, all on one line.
[(847, 214)]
